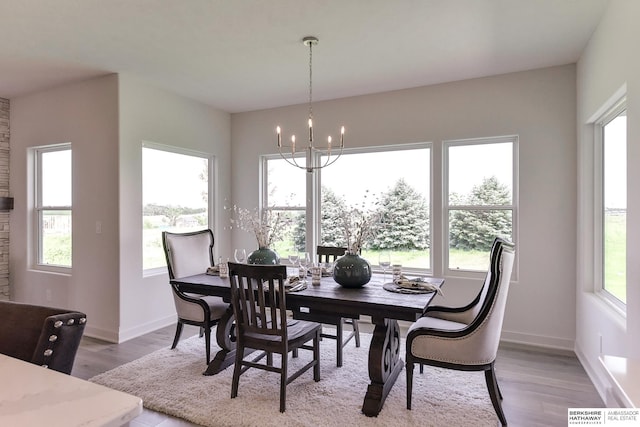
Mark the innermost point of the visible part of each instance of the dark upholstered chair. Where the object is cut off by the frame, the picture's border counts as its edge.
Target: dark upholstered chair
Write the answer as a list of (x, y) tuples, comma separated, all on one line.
[(258, 297), (330, 254), (188, 254), (41, 335), (467, 338)]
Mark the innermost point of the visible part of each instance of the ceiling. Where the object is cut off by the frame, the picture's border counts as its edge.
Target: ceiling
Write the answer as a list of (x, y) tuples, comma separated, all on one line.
[(243, 55)]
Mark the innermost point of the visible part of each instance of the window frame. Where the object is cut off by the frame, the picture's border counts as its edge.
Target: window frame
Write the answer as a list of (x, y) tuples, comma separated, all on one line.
[(447, 207), (314, 196), (611, 112), (212, 168), (39, 209)]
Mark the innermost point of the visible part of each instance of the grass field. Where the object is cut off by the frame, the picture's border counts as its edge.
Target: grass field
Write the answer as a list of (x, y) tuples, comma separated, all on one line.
[(614, 264), (615, 255)]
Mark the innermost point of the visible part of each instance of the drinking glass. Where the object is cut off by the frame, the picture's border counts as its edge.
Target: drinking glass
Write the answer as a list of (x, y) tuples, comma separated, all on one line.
[(240, 255), (305, 262), (293, 259), (384, 261)]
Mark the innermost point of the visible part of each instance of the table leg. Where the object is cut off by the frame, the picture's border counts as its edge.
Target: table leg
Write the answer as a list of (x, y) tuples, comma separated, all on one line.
[(226, 340), (384, 364)]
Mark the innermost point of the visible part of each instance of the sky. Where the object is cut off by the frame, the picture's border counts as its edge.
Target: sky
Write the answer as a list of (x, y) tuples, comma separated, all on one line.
[(352, 174), (171, 178)]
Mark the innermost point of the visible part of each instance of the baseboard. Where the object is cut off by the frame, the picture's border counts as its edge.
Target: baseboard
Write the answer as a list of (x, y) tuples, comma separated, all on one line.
[(121, 336), (596, 375), (101, 334), (552, 343), (145, 328)]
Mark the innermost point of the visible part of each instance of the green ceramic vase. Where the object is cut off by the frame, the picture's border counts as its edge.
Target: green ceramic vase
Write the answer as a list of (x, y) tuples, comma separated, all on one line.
[(352, 271), (264, 256)]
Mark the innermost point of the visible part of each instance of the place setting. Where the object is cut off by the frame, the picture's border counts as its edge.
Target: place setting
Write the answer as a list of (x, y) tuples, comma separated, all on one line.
[(403, 284)]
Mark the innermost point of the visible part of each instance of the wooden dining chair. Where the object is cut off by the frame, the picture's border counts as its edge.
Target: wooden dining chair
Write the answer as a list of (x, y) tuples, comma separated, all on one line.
[(466, 339), (188, 254), (330, 254), (259, 305)]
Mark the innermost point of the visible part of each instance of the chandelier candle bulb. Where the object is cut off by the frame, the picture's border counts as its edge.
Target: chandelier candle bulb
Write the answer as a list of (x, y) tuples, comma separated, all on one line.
[(279, 140), (293, 144)]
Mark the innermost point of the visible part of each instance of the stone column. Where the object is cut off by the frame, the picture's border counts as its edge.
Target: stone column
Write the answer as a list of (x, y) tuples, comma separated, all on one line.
[(4, 191)]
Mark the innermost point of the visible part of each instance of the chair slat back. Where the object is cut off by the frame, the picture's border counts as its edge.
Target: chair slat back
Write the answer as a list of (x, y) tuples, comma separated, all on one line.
[(258, 298), (329, 253)]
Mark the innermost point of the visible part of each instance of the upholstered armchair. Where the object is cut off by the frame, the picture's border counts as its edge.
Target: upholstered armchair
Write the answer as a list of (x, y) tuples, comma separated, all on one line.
[(466, 338), (44, 336), (188, 254)]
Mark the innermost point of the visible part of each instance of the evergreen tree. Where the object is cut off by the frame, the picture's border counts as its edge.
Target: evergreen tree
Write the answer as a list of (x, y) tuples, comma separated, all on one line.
[(475, 230), (333, 207), (404, 219)]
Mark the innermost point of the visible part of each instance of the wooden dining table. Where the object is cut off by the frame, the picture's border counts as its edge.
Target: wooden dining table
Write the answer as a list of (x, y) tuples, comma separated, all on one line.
[(384, 307)]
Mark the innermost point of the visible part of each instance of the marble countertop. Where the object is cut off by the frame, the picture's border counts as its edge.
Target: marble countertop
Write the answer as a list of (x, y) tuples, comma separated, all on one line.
[(31, 395)]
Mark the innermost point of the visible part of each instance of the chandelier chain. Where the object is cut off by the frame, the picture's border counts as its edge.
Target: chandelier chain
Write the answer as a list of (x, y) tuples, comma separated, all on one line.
[(310, 79)]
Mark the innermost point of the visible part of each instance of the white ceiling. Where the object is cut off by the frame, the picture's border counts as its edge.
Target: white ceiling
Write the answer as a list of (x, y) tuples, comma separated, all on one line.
[(242, 55)]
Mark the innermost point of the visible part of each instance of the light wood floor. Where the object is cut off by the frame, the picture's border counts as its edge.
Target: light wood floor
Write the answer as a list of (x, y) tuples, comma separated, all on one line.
[(538, 385)]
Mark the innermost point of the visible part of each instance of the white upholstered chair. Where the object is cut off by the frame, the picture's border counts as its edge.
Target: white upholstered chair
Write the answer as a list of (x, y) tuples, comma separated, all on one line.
[(466, 338), (188, 254)]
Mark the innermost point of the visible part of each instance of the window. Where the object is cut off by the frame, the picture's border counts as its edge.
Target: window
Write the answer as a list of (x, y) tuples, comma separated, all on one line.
[(393, 182), (478, 202), (286, 195), (53, 205), (611, 209), (360, 179), (175, 196), (480, 199)]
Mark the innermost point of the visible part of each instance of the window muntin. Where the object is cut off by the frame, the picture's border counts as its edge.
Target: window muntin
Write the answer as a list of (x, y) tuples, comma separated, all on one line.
[(480, 199), (53, 205), (175, 196), (613, 149)]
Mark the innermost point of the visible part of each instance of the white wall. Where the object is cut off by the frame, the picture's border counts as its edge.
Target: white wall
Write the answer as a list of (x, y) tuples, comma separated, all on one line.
[(85, 114), (538, 105), (106, 119), (608, 63), (150, 114)]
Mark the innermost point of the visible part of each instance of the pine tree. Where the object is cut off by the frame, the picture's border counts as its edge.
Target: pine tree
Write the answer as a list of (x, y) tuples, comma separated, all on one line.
[(333, 207), (475, 230), (404, 223)]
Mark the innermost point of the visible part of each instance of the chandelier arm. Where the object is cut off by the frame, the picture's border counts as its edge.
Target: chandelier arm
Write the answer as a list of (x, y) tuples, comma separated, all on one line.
[(293, 163)]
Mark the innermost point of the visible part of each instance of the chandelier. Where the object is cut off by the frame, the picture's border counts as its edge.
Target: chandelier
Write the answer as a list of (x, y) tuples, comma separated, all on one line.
[(312, 162)]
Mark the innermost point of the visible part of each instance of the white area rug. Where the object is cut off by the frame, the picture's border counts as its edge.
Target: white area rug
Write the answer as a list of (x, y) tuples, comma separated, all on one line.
[(171, 381)]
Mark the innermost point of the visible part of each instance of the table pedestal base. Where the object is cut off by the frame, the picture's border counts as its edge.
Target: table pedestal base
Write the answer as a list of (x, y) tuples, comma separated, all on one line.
[(384, 364), (226, 340)]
